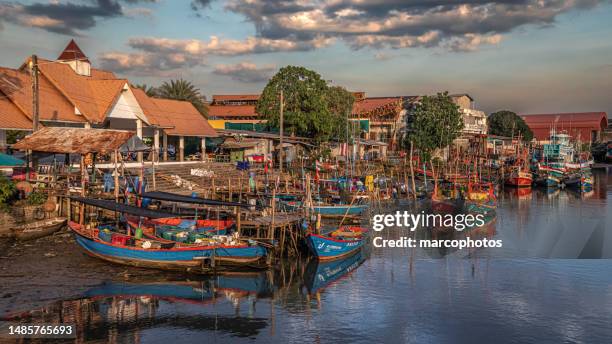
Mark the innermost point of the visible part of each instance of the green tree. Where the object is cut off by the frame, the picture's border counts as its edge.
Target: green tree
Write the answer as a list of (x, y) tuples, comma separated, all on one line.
[(340, 104), (149, 90), (507, 123), (183, 90), (311, 108), (435, 123)]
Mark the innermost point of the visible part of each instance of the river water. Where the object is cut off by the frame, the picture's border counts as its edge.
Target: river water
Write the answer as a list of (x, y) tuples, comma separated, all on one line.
[(551, 282)]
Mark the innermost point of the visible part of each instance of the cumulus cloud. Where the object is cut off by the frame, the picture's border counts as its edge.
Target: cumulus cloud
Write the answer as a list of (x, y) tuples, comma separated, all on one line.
[(245, 72), (69, 18), (167, 54), (459, 25)]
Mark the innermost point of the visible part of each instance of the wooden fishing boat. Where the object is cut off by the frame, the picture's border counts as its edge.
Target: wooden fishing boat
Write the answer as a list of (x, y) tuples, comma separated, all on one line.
[(329, 209), (582, 181), (445, 203), (147, 253), (337, 244), (519, 178), (38, 229), (202, 226), (480, 198)]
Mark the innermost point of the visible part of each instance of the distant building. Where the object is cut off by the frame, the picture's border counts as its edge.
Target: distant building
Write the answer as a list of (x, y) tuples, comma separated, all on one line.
[(474, 121), (234, 112), (584, 126)]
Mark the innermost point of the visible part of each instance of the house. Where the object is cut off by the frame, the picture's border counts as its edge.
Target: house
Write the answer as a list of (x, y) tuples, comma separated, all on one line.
[(72, 93), (583, 126), (474, 121), (381, 119)]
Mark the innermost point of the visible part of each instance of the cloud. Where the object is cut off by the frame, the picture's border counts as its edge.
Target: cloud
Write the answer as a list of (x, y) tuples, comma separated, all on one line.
[(458, 25), (153, 54), (68, 18), (197, 5), (245, 72)]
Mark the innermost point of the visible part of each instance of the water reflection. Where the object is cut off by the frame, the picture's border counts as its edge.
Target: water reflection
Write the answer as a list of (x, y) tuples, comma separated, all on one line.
[(386, 295)]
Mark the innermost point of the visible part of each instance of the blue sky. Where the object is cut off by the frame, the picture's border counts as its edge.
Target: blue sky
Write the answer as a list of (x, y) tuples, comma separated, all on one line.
[(526, 56)]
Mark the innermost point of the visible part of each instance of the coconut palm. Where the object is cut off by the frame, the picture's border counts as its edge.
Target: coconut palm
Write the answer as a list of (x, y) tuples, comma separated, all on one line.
[(183, 90), (149, 90)]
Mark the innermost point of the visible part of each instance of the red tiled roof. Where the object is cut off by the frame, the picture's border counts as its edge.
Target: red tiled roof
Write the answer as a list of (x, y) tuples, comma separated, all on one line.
[(102, 74), (11, 117), (368, 105), (153, 113), (72, 52), (236, 97), (223, 111), (185, 118), (54, 106), (91, 96), (105, 92)]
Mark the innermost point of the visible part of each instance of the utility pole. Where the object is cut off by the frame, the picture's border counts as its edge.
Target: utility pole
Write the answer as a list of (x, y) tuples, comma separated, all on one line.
[(280, 153), (35, 94), (35, 113)]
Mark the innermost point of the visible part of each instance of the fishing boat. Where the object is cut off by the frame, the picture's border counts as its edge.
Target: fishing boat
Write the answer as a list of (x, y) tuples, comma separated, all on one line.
[(129, 250), (519, 178), (579, 180), (480, 198), (38, 229), (550, 175), (108, 243), (445, 203), (329, 209), (160, 228), (340, 243)]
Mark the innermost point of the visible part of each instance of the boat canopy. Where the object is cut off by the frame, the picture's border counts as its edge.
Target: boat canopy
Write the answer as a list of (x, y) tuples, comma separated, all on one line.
[(122, 208), (171, 197)]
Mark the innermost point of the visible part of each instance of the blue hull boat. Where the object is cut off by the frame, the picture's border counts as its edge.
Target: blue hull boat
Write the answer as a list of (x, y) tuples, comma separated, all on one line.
[(338, 244), (174, 256), (330, 210)]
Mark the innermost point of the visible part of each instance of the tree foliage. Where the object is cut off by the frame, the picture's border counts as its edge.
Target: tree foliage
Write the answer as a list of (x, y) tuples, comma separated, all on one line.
[(7, 190), (183, 90), (435, 123), (311, 107), (507, 123), (149, 90)]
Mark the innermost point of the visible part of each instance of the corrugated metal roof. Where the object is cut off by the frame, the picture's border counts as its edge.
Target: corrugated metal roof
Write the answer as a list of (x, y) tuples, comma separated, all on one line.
[(74, 140), (590, 119)]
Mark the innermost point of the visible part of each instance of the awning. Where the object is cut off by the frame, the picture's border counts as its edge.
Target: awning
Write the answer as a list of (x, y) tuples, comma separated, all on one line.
[(122, 208), (10, 161), (167, 196), (76, 140)]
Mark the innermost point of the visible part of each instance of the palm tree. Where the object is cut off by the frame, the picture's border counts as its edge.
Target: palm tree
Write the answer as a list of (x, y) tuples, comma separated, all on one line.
[(149, 90), (183, 90)]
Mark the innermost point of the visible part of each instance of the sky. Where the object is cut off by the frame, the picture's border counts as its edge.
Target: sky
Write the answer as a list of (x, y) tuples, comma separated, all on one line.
[(528, 56)]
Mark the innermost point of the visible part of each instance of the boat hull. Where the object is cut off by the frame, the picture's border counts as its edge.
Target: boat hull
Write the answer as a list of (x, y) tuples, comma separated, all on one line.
[(325, 248), (38, 229), (196, 259), (519, 181), (331, 210)]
